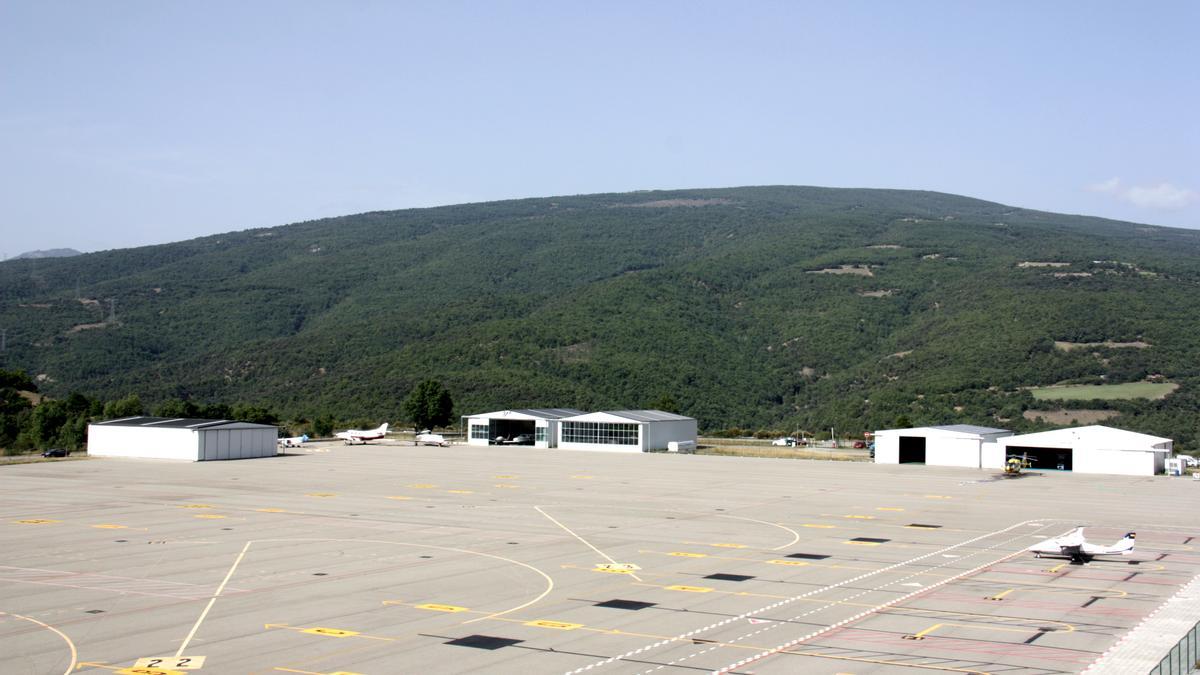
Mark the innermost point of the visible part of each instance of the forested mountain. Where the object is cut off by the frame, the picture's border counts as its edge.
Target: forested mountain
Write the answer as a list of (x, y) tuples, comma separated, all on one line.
[(761, 307)]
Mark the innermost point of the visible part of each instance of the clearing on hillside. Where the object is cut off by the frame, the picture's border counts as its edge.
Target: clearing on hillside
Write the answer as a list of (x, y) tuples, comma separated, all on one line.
[(1063, 416), (1108, 392)]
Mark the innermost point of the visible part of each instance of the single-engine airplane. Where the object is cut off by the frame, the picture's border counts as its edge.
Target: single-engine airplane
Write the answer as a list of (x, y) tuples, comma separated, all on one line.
[(352, 436), (293, 441), (1073, 545)]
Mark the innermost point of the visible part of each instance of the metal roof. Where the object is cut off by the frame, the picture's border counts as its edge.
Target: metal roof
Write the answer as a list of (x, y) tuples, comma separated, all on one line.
[(532, 413), (174, 423), (647, 415)]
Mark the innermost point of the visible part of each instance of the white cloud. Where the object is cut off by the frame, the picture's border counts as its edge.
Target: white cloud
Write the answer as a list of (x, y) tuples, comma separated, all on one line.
[(1161, 196)]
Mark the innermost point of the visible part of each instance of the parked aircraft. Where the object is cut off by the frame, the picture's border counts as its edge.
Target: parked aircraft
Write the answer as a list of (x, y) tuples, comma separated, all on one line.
[(427, 438), (1074, 546), (351, 436), (293, 441)]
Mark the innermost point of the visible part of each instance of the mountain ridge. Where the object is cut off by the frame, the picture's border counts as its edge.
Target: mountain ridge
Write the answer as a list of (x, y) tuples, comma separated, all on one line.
[(767, 306)]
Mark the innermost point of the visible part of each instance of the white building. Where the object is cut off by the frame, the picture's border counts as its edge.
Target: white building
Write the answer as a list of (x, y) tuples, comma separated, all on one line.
[(175, 438), (952, 445), (625, 431), (540, 425), (1090, 449)]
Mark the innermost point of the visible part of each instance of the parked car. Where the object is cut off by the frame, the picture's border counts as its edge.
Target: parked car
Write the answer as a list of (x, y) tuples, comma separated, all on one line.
[(56, 452), (1189, 461), (785, 442), (859, 445)]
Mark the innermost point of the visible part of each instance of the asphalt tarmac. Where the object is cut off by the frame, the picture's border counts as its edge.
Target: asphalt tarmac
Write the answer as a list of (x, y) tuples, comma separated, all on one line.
[(399, 559)]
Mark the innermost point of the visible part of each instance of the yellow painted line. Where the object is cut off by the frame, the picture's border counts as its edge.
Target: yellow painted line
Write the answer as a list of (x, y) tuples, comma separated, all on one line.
[(271, 510), (197, 506), (689, 589), (147, 671), (321, 494), (442, 608), (929, 630), (1057, 567), (611, 570), (1000, 596), (461, 492), (859, 517), (583, 477), (861, 543), (171, 662), (888, 508), (109, 526), (820, 527), (210, 516), (794, 563), (331, 632), (729, 545), (938, 497), (505, 485), (399, 497), (505, 476), (37, 521), (422, 486), (685, 554), (557, 625)]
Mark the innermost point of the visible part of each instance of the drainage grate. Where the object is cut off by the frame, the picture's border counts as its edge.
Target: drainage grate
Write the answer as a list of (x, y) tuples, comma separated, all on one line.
[(94, 611), (931, 527), (807, 556), (728, 577), (625, 604), (484, 642), (872, 540)]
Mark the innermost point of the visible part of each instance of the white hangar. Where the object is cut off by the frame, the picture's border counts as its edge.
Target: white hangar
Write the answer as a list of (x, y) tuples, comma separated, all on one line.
[(614, 431), (530, 426), (176, 438), (951, 445), (1090, 449), (626, 431)]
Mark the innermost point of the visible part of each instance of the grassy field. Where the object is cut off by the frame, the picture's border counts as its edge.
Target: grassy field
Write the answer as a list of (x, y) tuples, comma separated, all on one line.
[(1084, 392)]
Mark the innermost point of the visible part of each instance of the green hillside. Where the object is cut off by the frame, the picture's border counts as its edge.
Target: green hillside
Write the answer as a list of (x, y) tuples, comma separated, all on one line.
[(762, 307)]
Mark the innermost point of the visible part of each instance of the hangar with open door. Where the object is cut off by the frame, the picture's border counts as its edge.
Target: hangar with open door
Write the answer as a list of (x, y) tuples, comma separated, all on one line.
[(1089, 449), (530, 426), (950, 445)]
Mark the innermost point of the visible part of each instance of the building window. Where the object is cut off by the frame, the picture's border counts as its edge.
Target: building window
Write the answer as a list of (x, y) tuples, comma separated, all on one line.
[(539, 435), (479, 431), (601, 433)]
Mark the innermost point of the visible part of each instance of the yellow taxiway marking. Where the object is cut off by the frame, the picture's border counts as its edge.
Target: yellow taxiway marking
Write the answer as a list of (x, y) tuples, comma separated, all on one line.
[(399, 497), (506, 485), (1057, 567), (52, 629), (171, 663), (581, 539), (938, 497), (210, 516), (461, 492), (861, 543), (321, 494), (583, 477), (820, 527), (729, 545), (557, 625), (685, 554), (690, 589), (197, 506), (271, 510), (432, 606), (505, 476), (422, 486), (795, 563), (628, 567), (855, 515), (109, 526), (135, 670), (1023, 629), (611, 570), (328, 632), (888, 508), (331, 632), (37, 521), (1000, 596)]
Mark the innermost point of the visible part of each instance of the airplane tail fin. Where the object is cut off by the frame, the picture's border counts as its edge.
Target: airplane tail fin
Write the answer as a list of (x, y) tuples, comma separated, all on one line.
[(383, 428)]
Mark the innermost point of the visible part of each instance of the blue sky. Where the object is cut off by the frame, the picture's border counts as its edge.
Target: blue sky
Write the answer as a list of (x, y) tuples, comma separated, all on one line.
[(132, 123)]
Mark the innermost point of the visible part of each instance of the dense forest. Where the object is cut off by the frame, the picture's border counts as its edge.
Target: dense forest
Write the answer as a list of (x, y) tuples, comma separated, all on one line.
[(784, 308)]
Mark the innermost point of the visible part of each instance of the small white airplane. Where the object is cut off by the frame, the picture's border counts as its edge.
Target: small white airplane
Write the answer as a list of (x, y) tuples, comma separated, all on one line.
[(293, 441), (427, 438), (351, 436), (1073, 545)]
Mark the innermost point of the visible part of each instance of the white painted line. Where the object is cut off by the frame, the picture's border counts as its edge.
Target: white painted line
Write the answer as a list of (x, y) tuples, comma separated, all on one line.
[(59, 633), (213, 600), (585, 541), (795, 534)]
